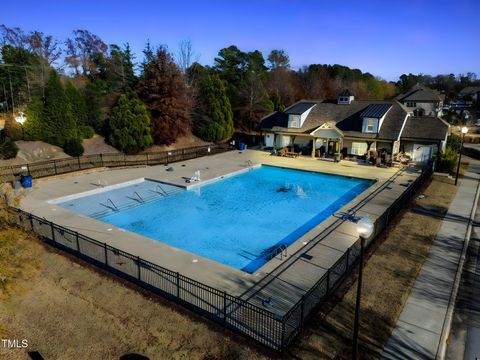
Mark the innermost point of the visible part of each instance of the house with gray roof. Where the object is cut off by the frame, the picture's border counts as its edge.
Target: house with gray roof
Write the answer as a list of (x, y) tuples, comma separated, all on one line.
[(470, 91), (321, 128), (422, 101)]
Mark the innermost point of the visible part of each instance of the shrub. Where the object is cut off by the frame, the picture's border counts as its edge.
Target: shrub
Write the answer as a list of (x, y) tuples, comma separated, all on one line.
[(87, 132), (448, 160), (73, 147), (8, 149)]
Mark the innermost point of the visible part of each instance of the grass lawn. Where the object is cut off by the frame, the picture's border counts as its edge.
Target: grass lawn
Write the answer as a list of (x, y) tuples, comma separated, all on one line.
[(68, 309)]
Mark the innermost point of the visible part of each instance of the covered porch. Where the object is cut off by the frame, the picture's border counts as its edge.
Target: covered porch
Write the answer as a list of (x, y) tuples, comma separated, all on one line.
[(323, 142)]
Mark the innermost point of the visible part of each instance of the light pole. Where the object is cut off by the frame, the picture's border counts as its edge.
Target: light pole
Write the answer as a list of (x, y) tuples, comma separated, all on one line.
[(464, 131), (21, 119), (365, 228)]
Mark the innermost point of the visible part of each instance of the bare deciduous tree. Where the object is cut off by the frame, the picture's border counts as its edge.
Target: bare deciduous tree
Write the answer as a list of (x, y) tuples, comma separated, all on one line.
[(186, 56)]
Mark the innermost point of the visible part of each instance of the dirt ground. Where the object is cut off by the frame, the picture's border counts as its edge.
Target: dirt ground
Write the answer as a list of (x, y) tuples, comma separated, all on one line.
[(31, 151), (71, 310), (182, 142), (97, 145)]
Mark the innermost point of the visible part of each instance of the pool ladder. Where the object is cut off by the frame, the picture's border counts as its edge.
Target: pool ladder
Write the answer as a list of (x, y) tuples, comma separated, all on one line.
[(278, 250), (113, 207), (160, 190), (139, 197)]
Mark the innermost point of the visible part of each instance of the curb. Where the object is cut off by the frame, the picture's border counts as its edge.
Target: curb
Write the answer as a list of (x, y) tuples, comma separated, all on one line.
[(442, 347)]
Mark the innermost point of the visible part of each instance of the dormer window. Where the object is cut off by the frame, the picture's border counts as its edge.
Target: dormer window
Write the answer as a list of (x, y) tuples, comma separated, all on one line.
[(294, 121), (346, 97), (370, 125)]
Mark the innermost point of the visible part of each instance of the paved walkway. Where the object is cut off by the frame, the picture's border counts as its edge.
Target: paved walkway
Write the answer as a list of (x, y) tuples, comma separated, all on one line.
[(463, 342), (418, 333)]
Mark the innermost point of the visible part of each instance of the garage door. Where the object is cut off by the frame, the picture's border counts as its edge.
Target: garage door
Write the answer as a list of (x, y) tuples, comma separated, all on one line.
[(422, 153)]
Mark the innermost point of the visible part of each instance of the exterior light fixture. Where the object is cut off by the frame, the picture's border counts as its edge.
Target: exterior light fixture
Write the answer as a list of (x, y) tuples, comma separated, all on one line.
[(464, 132), (365, 228)]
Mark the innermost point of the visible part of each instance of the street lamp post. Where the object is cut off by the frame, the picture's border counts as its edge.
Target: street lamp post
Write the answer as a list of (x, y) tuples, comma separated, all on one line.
[(365, 228), (21, 119), (464, 131)]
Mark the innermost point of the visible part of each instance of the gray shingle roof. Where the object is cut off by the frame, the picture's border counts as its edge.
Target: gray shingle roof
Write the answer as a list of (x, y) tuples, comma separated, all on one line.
[(347, 118), (376, 110), (425, 128), (300, 108), (346, 92), (470, 90), (420, 93)]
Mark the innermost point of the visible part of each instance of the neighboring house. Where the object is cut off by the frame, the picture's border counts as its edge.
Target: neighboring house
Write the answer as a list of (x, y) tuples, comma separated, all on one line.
[(470, 91), (422, 101), (353, 127)]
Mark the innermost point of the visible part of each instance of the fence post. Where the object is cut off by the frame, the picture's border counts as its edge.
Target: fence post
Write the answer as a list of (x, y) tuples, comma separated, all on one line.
[(55, 166), (78, 161), (53, 232), (348, 258), (106, 256), (328, 282), (78, 242), (225, 308), (138, 265), (178, 286), (302, 312), (124, 160), (101, 159), (147, 158), (28, 170)]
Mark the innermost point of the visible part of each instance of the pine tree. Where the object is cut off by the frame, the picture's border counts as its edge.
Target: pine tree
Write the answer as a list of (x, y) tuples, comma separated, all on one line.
[(129, 125), (163, 89), (77, 104), (57, 114), (213, 115)]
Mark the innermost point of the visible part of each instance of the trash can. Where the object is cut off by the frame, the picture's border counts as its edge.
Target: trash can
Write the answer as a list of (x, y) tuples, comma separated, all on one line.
[(26, 181), (336, 157), (241, 146), (16, 184)]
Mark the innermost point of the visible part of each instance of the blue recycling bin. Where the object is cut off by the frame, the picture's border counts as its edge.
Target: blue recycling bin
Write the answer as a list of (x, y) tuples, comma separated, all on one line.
[(26, 181), (241, 146)]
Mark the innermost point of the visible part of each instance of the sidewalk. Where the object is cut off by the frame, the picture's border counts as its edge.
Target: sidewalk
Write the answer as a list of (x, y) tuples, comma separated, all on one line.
[(418, 332)]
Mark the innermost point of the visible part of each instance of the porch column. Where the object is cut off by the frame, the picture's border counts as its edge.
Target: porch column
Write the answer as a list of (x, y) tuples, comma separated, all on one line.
[(313, 147)]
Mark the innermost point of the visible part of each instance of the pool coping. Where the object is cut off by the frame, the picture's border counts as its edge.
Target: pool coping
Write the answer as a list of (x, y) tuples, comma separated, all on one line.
[(269, 265)]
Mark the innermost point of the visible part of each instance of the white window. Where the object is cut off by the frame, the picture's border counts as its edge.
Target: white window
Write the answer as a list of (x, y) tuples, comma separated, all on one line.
[(411, 104), (370, 125), (359, 148), (294, 123)]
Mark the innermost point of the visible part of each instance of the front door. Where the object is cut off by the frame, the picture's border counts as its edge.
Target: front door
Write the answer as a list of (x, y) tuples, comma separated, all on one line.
[(332, 147)]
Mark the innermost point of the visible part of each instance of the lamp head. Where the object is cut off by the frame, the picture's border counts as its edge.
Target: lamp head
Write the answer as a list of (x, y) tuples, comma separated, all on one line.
[(20, 118), (365, 227), (464, 130)]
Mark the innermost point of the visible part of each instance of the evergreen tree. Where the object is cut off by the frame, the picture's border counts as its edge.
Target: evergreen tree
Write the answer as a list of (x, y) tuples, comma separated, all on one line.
[(163, 89), (213, 115), (93, 92), (129, 125), (77, 104), (57, 114)]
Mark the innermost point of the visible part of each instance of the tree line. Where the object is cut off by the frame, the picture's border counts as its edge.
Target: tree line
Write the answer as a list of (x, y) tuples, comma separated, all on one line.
[(71, 89)]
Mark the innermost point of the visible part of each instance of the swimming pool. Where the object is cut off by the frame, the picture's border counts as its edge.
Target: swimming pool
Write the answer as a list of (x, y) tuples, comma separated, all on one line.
[(236, 221)]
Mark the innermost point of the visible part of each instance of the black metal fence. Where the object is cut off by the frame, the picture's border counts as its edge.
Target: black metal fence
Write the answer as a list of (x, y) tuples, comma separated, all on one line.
[(63, 166), (296, 316), (270, 329)]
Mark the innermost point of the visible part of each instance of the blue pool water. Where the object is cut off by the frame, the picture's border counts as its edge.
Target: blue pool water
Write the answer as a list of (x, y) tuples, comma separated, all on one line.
[(234, 221)]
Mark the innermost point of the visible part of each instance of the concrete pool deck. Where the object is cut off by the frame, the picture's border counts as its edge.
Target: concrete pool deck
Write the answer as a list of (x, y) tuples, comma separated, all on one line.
[(284, 280)]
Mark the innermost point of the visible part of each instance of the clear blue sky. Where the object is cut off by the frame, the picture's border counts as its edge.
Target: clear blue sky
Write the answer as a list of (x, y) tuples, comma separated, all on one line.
[(386, 38)]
